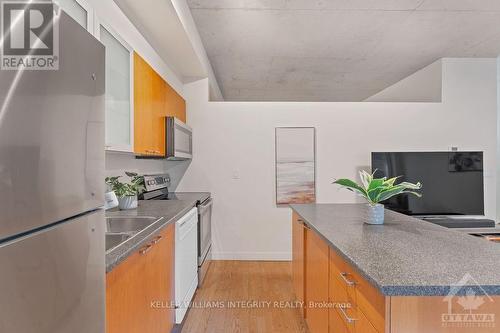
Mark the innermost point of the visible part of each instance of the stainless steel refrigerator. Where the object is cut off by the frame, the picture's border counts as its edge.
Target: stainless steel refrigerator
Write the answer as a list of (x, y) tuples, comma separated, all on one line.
[(52, 273)]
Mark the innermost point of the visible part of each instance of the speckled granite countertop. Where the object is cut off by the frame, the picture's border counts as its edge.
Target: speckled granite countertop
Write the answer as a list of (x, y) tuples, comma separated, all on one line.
[(406, 256), (168, 210)]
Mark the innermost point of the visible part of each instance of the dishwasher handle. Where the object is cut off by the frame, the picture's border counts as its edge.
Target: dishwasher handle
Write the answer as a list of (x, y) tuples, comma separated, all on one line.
[(186, 228), (186, 224)]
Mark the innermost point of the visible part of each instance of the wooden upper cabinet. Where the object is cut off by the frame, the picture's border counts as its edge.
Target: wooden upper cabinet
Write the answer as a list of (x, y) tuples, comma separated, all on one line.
[(144, 107), (176, 105), (140, 290), (159, 114), (154, 99), (317, 280), (298, 258)]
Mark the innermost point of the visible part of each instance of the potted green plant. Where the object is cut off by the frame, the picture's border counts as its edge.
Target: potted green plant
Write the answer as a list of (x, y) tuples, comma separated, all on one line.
[(376, 190), (127, 192)]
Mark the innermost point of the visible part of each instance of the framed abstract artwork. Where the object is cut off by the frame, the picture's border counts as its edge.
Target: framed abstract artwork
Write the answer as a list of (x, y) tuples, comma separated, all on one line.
[(295, 165)]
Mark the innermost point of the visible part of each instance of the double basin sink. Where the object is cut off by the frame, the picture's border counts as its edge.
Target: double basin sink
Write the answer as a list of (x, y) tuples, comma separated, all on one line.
[(121, 229)]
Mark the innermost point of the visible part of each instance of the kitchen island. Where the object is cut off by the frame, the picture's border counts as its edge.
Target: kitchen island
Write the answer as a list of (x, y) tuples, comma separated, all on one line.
[(407, 275)]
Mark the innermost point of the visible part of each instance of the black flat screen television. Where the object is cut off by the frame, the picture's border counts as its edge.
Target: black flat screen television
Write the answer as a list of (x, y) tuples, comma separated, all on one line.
[(452, 182)]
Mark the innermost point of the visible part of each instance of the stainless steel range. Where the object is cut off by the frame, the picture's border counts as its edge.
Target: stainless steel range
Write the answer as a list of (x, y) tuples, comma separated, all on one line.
[(204, 238), (157, 189)]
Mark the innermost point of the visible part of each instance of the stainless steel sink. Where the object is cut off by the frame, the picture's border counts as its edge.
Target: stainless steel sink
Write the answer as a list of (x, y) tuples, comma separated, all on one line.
[(128, 224), (113, 240), (122, 228)]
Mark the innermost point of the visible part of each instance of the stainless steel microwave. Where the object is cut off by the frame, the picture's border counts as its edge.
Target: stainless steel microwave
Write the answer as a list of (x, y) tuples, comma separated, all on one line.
[(178, 139)]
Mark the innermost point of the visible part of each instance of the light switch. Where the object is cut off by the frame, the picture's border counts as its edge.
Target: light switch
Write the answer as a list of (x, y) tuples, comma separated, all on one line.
[(236, 174)]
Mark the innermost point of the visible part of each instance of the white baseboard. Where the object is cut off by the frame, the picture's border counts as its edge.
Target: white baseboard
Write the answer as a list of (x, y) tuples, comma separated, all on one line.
[(258, 256)]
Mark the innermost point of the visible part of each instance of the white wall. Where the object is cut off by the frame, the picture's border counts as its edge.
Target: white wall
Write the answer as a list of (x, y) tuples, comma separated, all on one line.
[(118, 163), (422, 86), (234, 150)]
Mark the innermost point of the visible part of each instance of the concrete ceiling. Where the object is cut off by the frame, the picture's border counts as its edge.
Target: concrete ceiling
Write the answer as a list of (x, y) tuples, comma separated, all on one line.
[(336, 50), (159, 23)]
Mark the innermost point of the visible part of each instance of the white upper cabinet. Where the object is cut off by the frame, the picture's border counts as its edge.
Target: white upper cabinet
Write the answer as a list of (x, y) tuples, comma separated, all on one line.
[(80, 11), (119, 88), (119, 106)]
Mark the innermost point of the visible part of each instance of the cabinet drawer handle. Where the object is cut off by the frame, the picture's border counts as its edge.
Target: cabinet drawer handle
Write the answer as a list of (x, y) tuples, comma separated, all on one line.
[(347, 318), (146, 249), (344, 275), (303, 223), (157, 239)]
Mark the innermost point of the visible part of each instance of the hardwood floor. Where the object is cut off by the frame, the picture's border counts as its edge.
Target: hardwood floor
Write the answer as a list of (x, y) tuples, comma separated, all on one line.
[(245, 296)]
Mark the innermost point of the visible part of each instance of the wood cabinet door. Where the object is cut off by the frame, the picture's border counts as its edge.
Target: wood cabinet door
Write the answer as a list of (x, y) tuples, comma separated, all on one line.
[(126, 299), (143, 107), (159, 276), (158, 116), (149, 109), (317, 276), (298, 258), (175, 104), (139, 292)]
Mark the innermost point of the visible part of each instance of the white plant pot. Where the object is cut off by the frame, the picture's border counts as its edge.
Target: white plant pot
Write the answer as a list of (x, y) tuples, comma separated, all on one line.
[(375, 214), (129, 202)]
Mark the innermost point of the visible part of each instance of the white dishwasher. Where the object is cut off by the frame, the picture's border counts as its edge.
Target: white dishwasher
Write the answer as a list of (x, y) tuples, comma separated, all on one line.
[(186, 262)]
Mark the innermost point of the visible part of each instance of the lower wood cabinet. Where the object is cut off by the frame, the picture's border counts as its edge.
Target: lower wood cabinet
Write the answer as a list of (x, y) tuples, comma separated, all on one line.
[(360, 306), (337, 299), (316, 282), (140, 291), (347, 315)]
